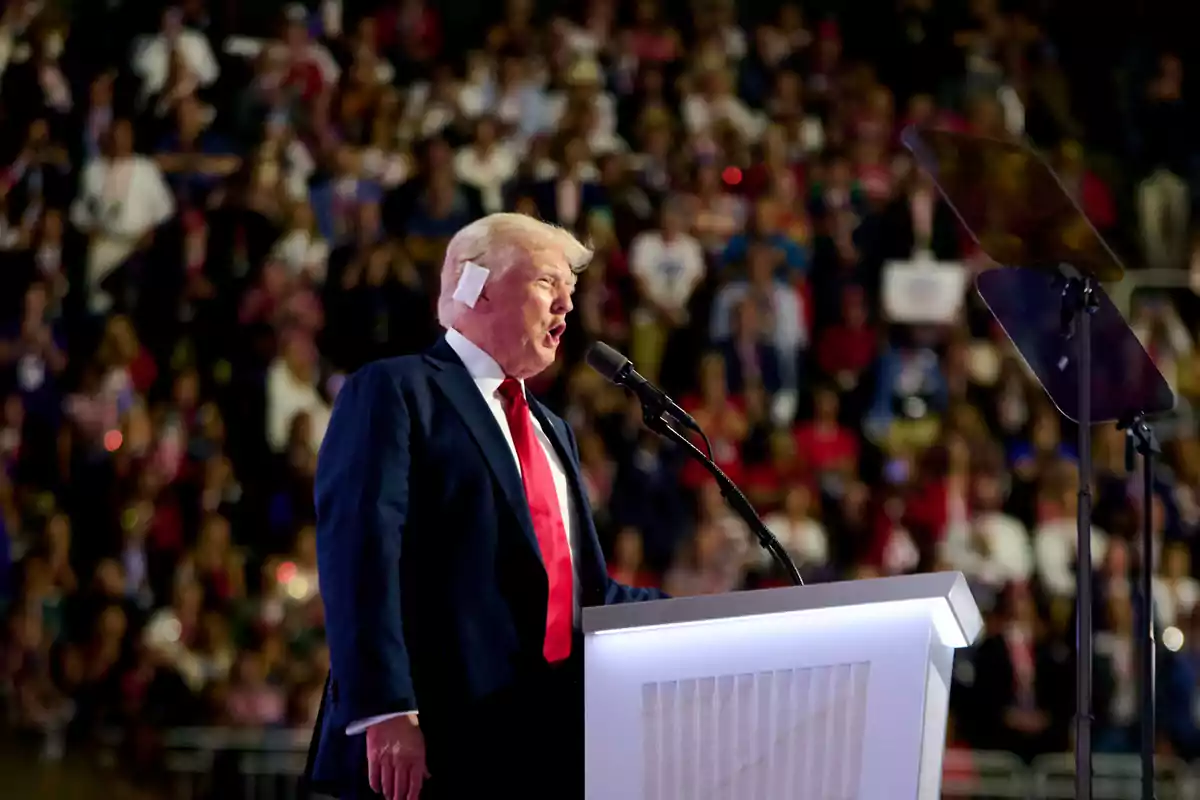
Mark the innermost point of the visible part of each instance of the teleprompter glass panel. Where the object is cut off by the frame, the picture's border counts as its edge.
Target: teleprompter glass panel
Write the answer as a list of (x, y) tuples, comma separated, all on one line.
[(1012, 202), (1028, 304)]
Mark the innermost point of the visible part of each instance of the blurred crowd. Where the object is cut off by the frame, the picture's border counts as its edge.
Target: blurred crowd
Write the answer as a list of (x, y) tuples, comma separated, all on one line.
[(210, 215)]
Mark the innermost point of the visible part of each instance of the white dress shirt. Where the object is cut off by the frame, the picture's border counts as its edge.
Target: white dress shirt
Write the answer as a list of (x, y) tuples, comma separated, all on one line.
[(488, 376), (487, 172), (289, 396), (1055, 551), (119, 201)]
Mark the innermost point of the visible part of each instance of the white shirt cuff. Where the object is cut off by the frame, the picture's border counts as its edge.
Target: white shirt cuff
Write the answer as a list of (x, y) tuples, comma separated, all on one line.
[(359, 726)]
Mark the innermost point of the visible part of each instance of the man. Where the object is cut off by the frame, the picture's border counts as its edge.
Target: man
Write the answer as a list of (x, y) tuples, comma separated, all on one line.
[(668, 266), (456, 546)]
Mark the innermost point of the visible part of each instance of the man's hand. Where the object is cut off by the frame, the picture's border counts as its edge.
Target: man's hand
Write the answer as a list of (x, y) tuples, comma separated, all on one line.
[(396, 758)]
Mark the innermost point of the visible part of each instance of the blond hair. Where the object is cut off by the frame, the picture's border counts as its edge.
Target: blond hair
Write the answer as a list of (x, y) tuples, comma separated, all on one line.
[(498, 242)]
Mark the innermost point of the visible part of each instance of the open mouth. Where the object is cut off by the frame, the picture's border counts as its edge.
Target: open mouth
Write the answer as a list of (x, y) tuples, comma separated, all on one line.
[(556, 332)]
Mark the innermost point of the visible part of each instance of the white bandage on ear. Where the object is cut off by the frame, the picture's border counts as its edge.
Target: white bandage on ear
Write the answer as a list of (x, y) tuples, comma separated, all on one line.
[(470, 283)]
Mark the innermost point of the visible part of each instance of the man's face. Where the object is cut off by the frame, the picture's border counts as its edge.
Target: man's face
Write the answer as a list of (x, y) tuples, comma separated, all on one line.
[(522, 314), (767, 214)]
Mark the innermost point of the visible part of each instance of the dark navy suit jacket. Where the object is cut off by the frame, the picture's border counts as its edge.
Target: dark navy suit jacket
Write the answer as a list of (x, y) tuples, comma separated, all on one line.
[(434, 590)]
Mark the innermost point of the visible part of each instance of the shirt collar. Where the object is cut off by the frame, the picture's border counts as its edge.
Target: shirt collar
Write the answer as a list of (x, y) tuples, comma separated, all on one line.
[(482, 367)]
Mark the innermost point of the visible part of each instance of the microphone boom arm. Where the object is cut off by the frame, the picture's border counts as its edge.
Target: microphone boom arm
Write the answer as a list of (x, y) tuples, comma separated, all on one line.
[(729, 490)]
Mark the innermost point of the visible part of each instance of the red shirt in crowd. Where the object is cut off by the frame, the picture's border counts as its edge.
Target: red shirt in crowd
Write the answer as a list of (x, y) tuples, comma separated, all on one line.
[(757, 178), (417, 28), (845, 348), (768, 482), (1097, 201), (824, 447), (143, 371), (927, 510), (727, 448)]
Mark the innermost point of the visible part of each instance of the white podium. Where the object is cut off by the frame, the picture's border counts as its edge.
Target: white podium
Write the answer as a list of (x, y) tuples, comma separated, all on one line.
[(834, 691)]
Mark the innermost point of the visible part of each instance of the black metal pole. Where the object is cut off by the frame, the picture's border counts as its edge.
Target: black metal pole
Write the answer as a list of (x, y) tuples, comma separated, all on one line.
[(1084, 304), (1144, 435), (1147, 631), (1139, 439)]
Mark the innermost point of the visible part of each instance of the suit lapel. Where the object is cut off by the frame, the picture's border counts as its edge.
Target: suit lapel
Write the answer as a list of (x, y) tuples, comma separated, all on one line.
[(586, 540), (561, 445), (459, 387)]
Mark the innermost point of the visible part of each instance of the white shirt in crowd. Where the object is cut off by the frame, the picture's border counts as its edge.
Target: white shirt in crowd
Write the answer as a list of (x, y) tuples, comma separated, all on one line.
[(1120, 651), (604, 103), (701, 114), (119, 202), (1054, 551), (390, 169), (604, 143), (789, 325), (152, 60), (302, 252), (299, 165), (473, 93), (488, 376), (669, 271), (900, 554), (288, 396), (1173, 351), (993, 549), (805, 540), (162, 636), (487, 172), (1174, 600), (735, 44)]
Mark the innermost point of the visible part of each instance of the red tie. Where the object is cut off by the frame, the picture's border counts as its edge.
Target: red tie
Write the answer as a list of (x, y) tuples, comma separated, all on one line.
[(547, 521)]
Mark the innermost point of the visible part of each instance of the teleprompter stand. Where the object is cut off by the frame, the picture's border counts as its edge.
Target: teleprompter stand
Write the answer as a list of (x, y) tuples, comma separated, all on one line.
[(1046, 294), (1140, 440)]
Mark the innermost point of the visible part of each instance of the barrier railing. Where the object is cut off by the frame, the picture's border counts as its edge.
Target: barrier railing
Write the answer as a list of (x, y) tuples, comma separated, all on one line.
[(1115, 777), (1135, 280), (237, 763), (984, 775), (253, 764)]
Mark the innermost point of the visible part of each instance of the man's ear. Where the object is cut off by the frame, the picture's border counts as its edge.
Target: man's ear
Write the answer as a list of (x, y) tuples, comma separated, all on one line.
[(471, 284)]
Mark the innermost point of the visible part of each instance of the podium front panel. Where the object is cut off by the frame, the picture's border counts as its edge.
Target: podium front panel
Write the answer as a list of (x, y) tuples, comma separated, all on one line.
[(819, 704)]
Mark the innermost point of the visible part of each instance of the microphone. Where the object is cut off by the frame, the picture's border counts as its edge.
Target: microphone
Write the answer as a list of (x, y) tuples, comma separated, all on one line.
[(619, 370)]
